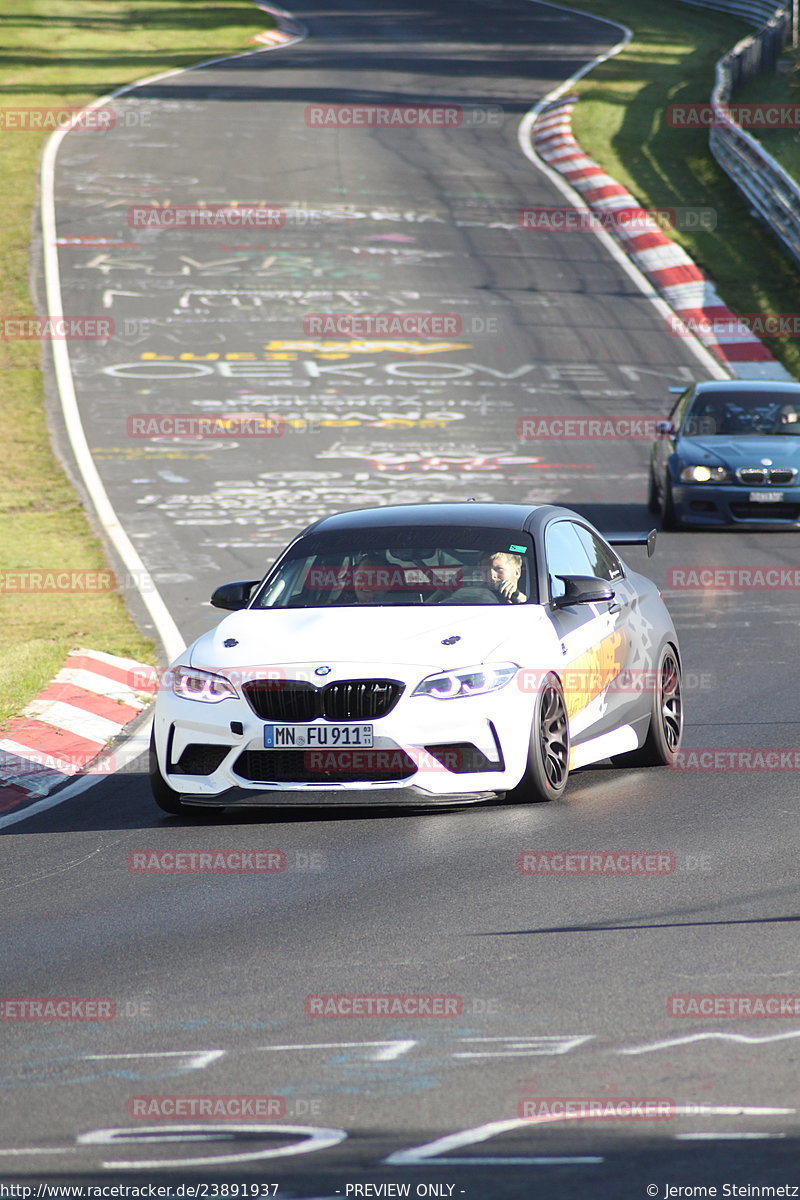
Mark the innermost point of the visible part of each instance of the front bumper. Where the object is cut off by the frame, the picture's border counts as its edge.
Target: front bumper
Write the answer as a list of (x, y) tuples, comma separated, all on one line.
[(489, 732), (730, 505)]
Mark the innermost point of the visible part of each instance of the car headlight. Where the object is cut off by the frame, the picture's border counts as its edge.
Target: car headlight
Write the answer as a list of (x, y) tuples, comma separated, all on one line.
[(700, 473), (469, 681), (192, 684)]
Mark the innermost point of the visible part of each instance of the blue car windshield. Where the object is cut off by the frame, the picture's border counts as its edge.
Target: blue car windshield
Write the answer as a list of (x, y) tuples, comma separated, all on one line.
[(403, 566), (745, 414)]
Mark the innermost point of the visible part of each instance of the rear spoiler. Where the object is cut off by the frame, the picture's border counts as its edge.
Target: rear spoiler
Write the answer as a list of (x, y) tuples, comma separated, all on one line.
[(634, 539)]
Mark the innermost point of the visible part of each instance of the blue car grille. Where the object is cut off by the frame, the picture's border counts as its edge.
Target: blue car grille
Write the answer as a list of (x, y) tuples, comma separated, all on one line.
[(757, 476)]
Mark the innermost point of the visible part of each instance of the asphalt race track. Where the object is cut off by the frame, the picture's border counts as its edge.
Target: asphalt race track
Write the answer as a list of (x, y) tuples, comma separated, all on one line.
[(561, 983)]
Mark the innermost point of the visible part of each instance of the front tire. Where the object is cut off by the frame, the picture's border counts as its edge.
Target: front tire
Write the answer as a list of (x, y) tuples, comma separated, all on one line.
[(547, 768), (652, 495), (669, 520), (666, 718)]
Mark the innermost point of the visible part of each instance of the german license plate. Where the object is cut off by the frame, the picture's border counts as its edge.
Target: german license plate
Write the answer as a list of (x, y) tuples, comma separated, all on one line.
[(304, 737), (766, 497)]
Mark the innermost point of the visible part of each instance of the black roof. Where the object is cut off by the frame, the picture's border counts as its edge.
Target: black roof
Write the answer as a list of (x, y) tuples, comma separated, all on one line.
[(510, 516)]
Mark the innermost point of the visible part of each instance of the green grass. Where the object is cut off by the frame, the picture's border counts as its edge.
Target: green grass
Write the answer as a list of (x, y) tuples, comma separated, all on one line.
[(621, 122), (67, 52)]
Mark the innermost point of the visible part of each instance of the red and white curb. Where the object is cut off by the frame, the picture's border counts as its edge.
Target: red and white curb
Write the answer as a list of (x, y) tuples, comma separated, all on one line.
[(699, 309), (88, 704), (286, 31)]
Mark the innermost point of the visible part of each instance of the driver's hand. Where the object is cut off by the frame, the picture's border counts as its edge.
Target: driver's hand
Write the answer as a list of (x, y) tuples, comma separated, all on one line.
[(507, 589)]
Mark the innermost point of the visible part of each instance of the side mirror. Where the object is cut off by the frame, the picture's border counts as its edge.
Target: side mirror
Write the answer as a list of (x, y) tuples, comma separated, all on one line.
[(234, 595), (583, 589), (664, 429)]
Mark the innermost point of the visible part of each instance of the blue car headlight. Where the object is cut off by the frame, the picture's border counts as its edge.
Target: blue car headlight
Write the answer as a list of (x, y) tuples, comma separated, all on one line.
[(467, 681), (193, 684), (701, 473)]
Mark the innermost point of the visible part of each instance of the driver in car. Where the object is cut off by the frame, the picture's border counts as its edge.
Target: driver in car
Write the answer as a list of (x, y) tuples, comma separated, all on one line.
[(502, 571), (370, 580)]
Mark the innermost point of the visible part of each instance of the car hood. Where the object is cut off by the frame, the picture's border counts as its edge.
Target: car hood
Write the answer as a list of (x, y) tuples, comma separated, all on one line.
[(784, 450), (402, 635)]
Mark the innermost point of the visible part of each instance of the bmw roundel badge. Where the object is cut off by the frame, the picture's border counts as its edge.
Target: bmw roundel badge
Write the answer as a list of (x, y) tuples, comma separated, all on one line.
[(322, 671)]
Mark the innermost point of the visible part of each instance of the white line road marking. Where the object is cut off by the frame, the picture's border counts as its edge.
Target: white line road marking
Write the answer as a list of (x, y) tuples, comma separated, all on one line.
[(523, 1046), (196, 1059), (316, 1137), (391, 1049), (725, 1137), (432, 1153), (40, 1150), (742, 1038)]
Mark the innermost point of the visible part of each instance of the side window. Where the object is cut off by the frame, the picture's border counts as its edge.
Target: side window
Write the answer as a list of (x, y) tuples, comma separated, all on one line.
[(565, 555), (605, 563), (679, 411)]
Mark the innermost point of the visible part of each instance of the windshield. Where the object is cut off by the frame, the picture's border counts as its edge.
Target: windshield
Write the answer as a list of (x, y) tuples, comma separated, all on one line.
[(403, 566), (745, 413)]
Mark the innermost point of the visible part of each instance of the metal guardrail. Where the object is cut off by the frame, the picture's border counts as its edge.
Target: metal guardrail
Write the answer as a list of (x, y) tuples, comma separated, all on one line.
[(752, 12), (772, 192)]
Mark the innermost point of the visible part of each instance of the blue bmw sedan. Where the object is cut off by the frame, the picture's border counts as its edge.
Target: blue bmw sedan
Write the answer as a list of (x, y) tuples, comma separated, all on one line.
[(729, 456)]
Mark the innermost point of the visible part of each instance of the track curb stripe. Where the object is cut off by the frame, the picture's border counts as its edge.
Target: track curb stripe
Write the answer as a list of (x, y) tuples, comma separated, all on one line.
[(70, 723), (666, 265)]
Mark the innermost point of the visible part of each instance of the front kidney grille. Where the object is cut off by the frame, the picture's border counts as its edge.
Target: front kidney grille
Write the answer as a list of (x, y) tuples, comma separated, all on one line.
[(291, 700), (782, 475), (758, 476)]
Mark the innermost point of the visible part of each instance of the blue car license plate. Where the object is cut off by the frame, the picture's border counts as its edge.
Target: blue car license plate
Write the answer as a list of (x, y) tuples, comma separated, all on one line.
[(766, 497)]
